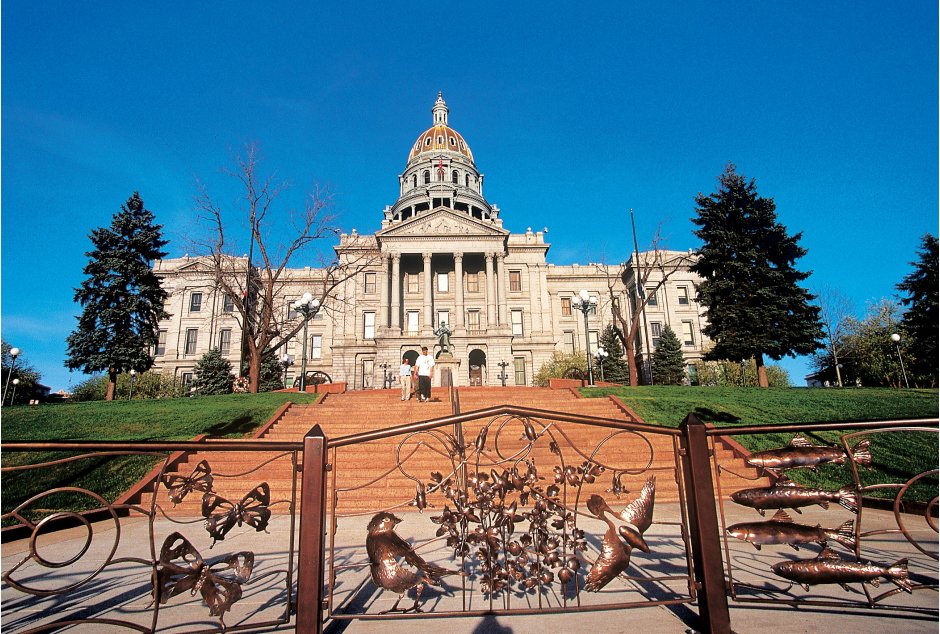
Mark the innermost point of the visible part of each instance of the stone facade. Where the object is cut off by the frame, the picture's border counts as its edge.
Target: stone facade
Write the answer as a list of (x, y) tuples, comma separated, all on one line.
[(440, 256)]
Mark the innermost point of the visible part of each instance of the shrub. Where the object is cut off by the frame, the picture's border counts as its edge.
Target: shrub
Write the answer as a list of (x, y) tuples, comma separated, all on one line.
[(559, 364), (212, 374)]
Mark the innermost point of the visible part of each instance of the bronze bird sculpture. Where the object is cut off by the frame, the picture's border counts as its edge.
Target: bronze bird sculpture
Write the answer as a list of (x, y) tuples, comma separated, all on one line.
[(615, 554), (393, 563), (639, 512)]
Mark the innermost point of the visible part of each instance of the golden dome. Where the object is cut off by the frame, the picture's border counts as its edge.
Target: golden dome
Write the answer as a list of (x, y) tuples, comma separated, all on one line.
[(440, 138)]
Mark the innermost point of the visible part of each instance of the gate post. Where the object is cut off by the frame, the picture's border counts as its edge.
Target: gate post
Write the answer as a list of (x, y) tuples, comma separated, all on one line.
[(703, 525), (312, 531)]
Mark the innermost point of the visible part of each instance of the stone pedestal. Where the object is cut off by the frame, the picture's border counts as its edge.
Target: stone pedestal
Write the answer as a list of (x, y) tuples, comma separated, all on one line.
[(446, 369)]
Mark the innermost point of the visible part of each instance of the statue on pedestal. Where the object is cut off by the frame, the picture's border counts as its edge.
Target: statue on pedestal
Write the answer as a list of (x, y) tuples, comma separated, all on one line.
[(443, 333)]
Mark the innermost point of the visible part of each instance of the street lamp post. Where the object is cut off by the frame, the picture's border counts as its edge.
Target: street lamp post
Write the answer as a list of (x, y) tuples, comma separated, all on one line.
[(133, 374), (286, 362), (13, 396), (386, 377), (14, 353), (896, 338), (586, 303), (601, 356), (308, 306), (502, 373)]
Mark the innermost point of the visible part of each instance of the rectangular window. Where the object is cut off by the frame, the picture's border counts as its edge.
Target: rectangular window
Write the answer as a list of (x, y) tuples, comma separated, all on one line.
[(225, 340), (688, 337), (653, 301), (656, 331), (473, 320), (473, 282), (161, 344), (316, 346), (412, 322), (519, 367), (186, 378), (368, 325), (195, 302), (443, 317), (567, 341), (370, 283), (191, 334), (633, 300), (442, 283), (683, 295), (368, 369), (593, 310), (413, 283), (291, 313), (515, 281), (228, 304), (565, 306), (516, 322), (615, 302)]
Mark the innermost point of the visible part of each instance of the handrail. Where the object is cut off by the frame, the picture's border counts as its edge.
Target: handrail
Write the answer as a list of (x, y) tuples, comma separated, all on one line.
[(159, 445), (827, 426), (498, 410)]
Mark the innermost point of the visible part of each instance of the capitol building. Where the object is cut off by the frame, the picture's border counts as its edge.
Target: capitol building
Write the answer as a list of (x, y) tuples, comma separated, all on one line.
[(440, 256)]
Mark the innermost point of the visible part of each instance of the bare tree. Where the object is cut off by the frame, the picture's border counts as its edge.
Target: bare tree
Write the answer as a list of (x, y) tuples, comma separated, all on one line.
[(256, 286), (835, 312), (641, 276)]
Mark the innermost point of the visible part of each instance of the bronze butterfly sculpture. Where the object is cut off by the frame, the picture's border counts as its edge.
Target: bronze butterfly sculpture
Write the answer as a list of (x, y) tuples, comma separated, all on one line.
[(181, 486), (222, 515), (182, 568)]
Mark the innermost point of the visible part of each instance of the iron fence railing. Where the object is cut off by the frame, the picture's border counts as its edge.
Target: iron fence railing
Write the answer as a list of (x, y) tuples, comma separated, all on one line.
[(506, 510)]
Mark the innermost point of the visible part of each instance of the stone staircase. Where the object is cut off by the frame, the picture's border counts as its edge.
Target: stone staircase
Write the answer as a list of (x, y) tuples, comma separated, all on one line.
[(368, 477)]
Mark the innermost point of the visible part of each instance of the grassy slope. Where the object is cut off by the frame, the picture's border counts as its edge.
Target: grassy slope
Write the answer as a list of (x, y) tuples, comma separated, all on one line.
[(229, 416), (897, 455)]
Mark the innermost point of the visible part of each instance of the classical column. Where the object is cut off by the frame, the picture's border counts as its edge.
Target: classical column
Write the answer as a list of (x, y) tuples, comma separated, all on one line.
[(490, 293), (502, 286), (396, 293), (428, 309), (382, 276), (458, 282), (535, 299)]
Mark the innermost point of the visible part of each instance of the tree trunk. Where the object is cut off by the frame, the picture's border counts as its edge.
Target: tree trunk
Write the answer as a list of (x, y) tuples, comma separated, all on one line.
[(112, 384), (761, 371), (254, 373)]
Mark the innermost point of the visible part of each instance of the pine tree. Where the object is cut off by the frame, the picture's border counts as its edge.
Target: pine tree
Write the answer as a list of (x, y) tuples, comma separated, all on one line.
[(121, 298), (922, 316), (616, 369), (668, 362), (750, 288), (213, 374)]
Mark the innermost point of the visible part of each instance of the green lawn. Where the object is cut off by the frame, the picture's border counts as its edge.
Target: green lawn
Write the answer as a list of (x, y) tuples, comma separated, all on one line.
[(230, 416), (897, 456)]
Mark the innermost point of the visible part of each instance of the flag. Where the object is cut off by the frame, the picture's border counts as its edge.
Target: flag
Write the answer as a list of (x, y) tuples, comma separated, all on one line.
[(440, 167)]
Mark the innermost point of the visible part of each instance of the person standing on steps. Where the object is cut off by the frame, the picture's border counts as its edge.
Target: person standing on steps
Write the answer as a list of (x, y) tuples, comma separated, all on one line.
[(425, 365), (404, 377)]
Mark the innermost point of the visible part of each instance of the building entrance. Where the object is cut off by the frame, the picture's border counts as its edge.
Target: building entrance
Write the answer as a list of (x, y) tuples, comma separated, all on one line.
[(477, 359)]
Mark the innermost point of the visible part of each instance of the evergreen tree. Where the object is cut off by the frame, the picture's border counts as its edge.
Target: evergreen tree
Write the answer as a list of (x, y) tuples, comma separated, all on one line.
[(668, 362), (212, 374), (750, 288), (616, 369), (121, 298), (271, 374), (921, 317)]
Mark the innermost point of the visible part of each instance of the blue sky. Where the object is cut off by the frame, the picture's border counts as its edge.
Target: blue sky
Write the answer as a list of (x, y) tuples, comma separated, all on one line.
[(575, 115)]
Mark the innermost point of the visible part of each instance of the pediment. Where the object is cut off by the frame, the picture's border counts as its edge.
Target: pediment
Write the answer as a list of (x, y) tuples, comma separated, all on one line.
[(442, 222)]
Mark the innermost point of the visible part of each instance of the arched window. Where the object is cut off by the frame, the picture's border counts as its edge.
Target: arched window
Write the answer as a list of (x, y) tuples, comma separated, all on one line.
[(414, 180), (427, 177), (467, 180), (453, 177)]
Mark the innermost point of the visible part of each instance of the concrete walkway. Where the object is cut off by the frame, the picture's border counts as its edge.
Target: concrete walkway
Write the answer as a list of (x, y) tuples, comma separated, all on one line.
[(122, 590)]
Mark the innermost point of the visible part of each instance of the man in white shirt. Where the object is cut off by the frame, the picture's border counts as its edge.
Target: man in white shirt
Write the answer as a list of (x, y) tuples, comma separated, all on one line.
[(425, 365)]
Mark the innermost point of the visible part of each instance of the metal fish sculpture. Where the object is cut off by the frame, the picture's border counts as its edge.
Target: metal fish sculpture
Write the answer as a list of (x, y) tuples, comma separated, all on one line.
[(829, 567), (780, 529), (801, 453), (787, 494)]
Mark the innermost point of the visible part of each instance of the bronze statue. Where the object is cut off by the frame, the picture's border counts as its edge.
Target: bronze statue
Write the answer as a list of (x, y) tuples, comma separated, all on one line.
[(787, 494), (780, 529), (443, 333), (386, 549), (829, 567), (801, 453)]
